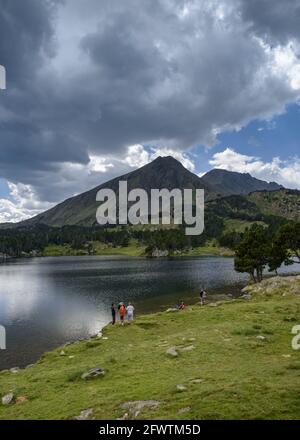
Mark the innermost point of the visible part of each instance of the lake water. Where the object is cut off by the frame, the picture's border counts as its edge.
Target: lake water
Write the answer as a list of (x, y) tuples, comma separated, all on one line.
[(46, 302)]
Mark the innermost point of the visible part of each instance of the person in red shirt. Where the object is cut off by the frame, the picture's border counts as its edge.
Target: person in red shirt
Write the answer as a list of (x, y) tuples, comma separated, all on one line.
[(122, 310)]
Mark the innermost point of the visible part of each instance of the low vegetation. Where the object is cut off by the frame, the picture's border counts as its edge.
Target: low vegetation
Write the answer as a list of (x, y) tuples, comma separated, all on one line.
[(234, 361)]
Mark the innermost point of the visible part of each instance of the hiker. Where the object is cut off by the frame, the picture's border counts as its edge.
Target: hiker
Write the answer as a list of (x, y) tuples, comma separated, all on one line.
[(113, 314), (122, 311), (202, 296), (130, 311), (182, 306)]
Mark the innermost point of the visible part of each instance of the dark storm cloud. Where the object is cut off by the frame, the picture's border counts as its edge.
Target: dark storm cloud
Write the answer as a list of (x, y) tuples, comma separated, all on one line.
[(277, 21), (91, 77), (26, 34)]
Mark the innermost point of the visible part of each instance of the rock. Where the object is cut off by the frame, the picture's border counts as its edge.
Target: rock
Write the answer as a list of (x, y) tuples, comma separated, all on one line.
[(286, 355), (262, 338), (197, 381), (71, 357), (247, 296), (172, 352), (8, 399), (21, 399), (15, 370), (184, 410), (105, 338), (94, 372), (134, 408), (84, 415), (62, 353), (213, 305), (157, 253), (191, 339), (187, 348), (100, 335), (226, 339), (181, 388), (171, 310)]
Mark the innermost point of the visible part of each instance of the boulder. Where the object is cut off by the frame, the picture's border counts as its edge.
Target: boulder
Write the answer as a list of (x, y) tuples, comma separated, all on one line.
[(85, 414), (94, 372), (172, 352), (187, 348), (181, 388), (134, 408), (8, 399)]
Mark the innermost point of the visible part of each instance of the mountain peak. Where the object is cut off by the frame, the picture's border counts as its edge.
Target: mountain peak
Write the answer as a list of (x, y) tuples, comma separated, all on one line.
[(232, 182)]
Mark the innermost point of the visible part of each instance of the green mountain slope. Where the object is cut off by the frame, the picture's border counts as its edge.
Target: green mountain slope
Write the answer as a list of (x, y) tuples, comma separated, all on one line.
[(282, 203)]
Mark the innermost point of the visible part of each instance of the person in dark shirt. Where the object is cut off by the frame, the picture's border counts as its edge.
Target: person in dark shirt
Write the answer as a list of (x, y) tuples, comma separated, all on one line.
[(113, 314), (202, 296)]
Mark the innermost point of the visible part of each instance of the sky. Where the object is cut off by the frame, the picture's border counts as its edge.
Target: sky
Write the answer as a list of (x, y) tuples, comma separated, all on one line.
[(97, 88)]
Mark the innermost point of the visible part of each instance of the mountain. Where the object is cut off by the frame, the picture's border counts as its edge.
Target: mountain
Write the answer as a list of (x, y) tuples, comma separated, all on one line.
[(227, 189), (163, 172), (228, 183)]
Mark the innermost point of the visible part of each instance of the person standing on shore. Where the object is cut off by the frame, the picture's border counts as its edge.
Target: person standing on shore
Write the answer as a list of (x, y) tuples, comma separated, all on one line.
[(130, 312), (122, 311), (113, 314), (202, 296)]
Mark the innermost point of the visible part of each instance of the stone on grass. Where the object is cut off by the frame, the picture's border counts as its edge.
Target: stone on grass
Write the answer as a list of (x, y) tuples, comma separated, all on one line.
[(188, 348), (247, 296), (184, 410), (94, 372), (172, 352), (195, 381), (181, 388), (8, 399), (286, 355), (85, 414), (172, 309), (261, 337), (62, 353), (15, 370), (134, 408), (213, 304)]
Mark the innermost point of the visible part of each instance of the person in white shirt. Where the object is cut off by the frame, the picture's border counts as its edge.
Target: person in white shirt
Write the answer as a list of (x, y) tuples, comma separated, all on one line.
[(130, 312)]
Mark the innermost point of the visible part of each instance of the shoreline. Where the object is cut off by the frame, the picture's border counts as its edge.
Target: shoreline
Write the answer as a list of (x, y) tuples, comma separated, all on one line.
[(243, 347)]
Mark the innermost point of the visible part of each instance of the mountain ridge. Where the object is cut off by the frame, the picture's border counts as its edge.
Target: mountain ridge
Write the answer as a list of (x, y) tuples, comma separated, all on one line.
[(163, 172)]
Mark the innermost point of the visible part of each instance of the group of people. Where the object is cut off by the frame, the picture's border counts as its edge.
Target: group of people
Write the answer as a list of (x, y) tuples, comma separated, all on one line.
[(122, 310)]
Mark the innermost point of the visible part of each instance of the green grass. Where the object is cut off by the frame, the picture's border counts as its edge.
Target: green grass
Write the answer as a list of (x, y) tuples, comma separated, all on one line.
[(208, 250), (133, 250), (235, 225), (242, 376)]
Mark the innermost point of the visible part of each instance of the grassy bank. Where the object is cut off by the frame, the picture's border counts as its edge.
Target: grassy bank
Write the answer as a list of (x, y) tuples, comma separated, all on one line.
[(134, 249), (234, 361)]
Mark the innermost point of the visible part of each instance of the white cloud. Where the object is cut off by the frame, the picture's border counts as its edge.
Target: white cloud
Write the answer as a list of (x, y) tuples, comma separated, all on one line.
[(286, 172), (138, 155), (23, 204)]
